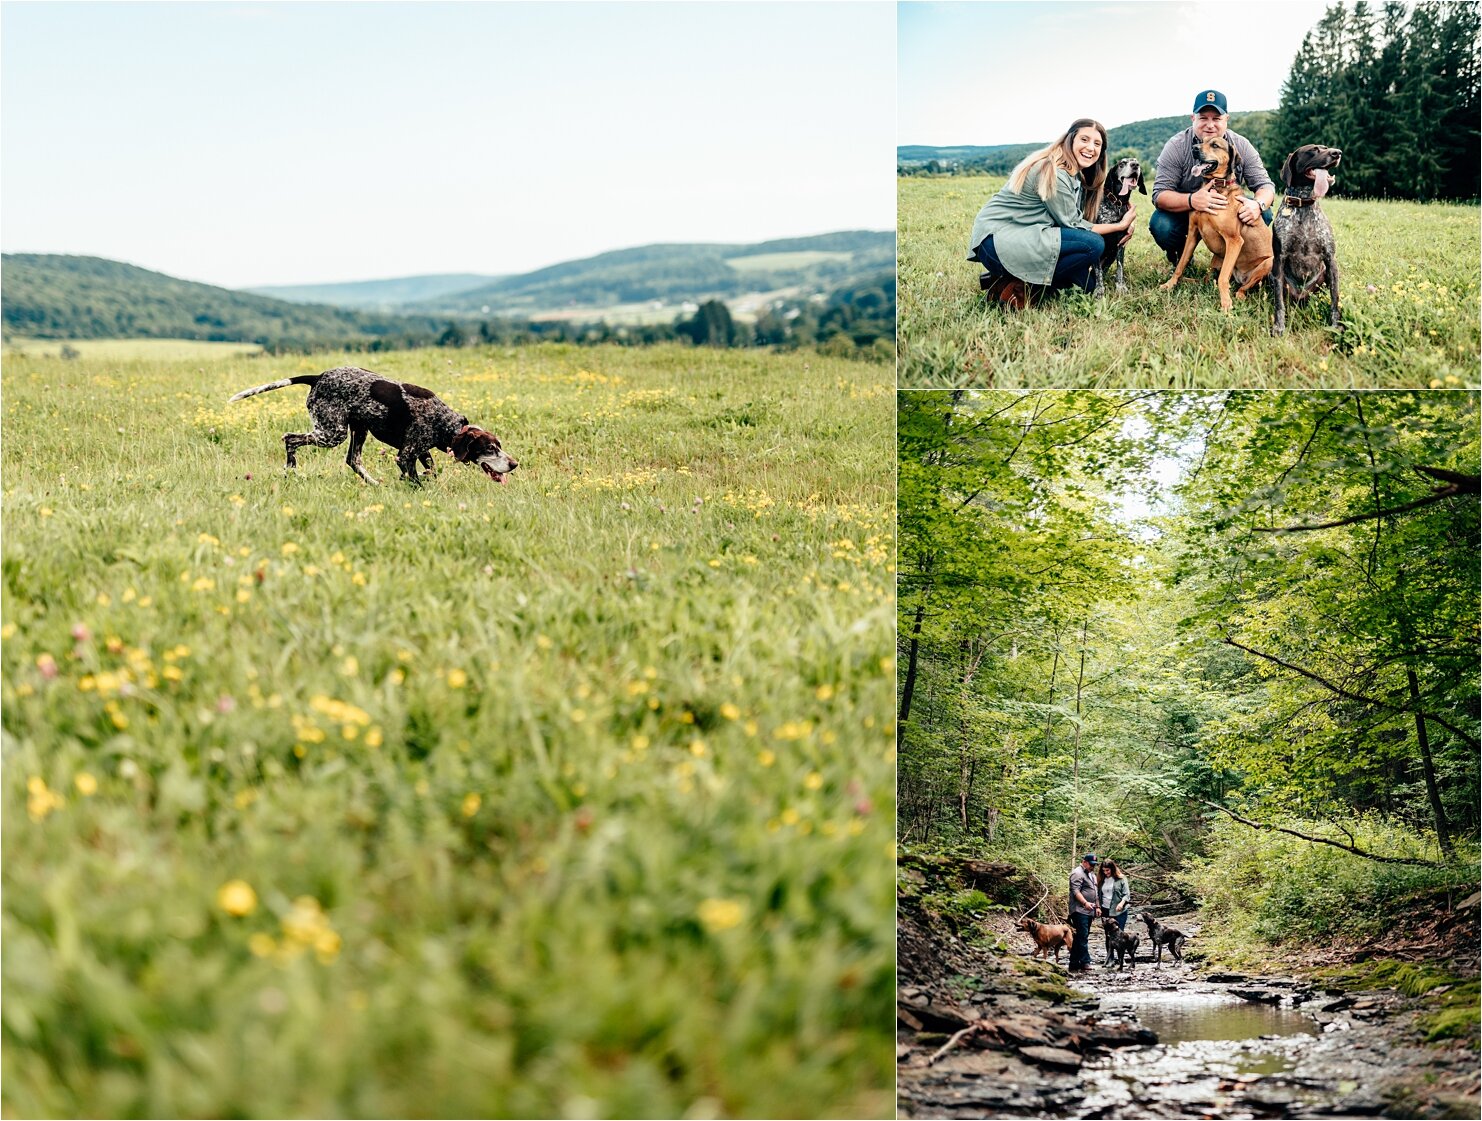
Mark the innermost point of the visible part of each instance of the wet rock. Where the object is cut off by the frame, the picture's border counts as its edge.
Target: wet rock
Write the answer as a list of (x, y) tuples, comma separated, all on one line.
[(1343, 1002), (921, 1012), (1257, 996), (1110, 1036), (1022, 1031), (1227, 978), (1056, 1058)]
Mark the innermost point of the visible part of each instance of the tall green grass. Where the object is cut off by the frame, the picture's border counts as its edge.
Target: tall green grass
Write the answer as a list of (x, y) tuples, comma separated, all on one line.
[(569, 797), (1408, 289)]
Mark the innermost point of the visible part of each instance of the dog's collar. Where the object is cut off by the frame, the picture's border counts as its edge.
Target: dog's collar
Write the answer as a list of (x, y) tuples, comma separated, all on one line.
[(1222, 183), (1300, 196)]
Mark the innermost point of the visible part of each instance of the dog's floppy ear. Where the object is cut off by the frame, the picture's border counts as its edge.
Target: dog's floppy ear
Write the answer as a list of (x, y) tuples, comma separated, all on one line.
[(1141, 184), (461, 442), (1287, 170)]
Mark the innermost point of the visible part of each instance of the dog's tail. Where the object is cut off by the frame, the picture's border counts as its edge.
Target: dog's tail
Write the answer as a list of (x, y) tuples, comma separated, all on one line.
[(305, 379)]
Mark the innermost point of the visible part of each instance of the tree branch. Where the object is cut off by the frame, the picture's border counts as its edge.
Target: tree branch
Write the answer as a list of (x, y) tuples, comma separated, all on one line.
[(1320, 840), (1346, 695), (1455, 483)]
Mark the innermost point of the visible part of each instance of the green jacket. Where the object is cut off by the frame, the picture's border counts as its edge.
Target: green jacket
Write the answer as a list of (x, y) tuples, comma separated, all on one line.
[(1026, 228), (1121, 892)]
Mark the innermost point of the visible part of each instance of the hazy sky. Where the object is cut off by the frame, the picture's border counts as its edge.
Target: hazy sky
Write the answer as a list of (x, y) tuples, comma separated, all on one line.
[(258, 143), (1019, 73)]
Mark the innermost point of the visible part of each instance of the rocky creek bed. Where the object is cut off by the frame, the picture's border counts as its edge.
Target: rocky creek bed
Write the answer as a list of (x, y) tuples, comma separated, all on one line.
[(988, 1035)]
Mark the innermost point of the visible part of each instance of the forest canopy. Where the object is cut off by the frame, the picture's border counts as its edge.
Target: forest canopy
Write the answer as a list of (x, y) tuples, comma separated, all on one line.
[(1143, 620)]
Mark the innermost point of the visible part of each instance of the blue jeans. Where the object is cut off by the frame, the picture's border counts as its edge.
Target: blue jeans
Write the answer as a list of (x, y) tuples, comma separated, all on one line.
[(1080, 944), (1171, 230), (1079, 250)]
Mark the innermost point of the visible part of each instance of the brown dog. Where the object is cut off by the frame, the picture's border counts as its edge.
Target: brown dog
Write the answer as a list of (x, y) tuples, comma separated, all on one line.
[(1240, 252), (1047, 936)]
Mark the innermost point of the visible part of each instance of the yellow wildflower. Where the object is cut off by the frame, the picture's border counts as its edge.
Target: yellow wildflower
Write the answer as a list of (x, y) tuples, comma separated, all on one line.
[(716, 915), (236, 898)]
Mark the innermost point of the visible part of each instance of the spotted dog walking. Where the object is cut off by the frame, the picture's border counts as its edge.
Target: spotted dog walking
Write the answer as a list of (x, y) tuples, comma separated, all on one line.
[(349, 401)]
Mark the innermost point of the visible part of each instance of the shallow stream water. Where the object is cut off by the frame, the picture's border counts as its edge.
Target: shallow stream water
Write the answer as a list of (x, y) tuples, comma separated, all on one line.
[(1179, 1015), (1210, 1044)]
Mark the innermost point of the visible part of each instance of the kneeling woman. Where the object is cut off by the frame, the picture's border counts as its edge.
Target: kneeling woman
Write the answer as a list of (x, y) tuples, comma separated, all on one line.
[(1038, 229)]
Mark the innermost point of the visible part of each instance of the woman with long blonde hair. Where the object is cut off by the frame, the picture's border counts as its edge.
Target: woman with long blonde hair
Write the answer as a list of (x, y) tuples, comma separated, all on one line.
[(1038, 230)]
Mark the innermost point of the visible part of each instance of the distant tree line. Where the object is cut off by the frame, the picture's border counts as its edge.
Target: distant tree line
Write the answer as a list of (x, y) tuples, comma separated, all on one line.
[(1396, 88), (856, 321)]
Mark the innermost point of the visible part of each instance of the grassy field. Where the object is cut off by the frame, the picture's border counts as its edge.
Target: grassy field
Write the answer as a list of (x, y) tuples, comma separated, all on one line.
[(570, 797), (1408, 287), (124, 349)]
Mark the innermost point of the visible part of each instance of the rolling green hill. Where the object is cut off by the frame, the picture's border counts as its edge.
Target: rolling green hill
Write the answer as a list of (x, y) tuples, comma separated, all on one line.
[(1146, 138), (377, 295), (51, 296), (681, 272)]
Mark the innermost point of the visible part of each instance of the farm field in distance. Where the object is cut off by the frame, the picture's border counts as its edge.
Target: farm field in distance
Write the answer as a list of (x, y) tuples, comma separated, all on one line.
[(1408, 291), (121, 349), (568, 797)]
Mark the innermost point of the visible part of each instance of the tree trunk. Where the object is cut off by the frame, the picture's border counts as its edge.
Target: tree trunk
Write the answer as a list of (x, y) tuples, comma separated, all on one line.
[(908, 687), (1075, 804), (1443, 834)]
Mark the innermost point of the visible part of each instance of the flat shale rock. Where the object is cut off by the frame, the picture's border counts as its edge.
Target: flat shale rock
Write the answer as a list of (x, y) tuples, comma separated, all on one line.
[(1056, 1058)]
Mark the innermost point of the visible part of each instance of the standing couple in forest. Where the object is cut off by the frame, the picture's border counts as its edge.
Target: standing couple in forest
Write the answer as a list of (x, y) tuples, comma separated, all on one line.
[(1095, 893)]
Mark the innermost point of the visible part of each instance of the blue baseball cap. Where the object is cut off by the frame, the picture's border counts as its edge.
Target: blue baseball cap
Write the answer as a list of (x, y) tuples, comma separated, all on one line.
[(1089, 858), (1210, 99)]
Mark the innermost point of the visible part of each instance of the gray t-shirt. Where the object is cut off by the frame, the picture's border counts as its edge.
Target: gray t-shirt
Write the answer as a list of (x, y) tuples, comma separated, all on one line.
[(1177, 161), (1085, 883)]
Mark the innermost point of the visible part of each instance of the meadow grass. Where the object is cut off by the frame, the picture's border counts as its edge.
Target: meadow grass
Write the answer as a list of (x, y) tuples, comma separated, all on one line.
[(124, 349), (1408, 287), (569, 797)]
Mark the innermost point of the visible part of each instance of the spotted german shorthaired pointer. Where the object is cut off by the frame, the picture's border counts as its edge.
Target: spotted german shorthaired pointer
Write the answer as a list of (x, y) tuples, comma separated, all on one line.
[(349, 401), (1305, 256), (1126, 174)]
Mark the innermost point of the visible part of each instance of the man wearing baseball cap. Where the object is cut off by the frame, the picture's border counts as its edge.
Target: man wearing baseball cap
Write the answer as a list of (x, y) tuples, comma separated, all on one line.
[(1178, 188), (1085, 904)]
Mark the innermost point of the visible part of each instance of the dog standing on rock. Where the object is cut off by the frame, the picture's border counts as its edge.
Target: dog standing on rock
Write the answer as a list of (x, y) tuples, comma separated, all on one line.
[(349, 401)]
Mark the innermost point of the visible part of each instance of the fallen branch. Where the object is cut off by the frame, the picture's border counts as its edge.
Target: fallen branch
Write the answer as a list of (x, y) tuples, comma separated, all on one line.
[(1320, 840), (1033, 905), (954, 1041)]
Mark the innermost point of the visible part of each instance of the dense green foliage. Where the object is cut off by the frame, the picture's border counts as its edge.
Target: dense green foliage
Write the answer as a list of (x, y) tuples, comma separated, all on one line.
[(1396, 87), (568, 797), (1126, 620), (1408, 291)]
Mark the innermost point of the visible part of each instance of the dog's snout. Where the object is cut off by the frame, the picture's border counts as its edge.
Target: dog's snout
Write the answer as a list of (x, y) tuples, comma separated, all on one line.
[(512, 463)]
